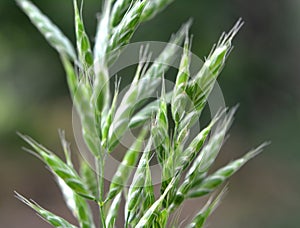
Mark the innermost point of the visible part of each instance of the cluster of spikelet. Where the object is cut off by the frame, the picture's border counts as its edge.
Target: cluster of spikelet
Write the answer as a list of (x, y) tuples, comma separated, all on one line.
[(184, 163)]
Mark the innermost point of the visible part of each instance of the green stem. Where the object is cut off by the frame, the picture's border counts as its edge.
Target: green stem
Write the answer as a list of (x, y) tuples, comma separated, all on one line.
[(175, 135), (100, 168)]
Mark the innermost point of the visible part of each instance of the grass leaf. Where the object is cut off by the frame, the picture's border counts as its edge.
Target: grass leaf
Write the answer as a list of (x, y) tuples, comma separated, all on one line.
[(49, 217), (88, 176), (134, 196), (59, 168), (149, 214), (211, 182), (207, 210), (50, 31), (112, 213), (83, 43), (154, 7), (119, 180)]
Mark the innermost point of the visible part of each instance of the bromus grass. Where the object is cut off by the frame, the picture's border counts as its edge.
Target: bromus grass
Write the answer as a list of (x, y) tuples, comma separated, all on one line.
[(164, 124)]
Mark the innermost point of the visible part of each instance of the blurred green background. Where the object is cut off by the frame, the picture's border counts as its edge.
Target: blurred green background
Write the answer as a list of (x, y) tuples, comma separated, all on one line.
[(262, 75)]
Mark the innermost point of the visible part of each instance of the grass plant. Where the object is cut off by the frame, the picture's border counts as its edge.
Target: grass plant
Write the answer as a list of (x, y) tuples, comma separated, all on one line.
[(164, 124)]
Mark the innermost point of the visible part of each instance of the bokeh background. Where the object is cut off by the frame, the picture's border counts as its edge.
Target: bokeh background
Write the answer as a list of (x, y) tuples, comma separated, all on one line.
[(262, 75)]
